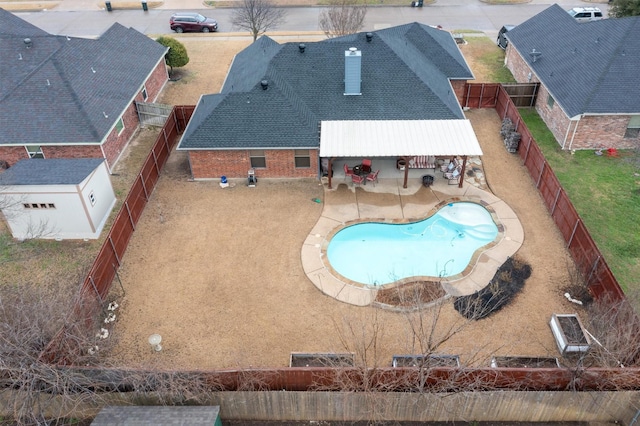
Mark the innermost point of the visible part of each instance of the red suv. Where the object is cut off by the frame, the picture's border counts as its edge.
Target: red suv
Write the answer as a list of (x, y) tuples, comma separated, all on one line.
[(181, 22)]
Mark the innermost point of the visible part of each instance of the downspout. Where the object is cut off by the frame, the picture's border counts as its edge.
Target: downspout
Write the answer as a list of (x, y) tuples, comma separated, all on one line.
[(573, 134)]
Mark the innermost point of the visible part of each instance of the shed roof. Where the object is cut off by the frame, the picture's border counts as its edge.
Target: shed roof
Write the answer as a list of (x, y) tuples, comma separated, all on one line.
[(54, 171), (391, 138), (589, 68)]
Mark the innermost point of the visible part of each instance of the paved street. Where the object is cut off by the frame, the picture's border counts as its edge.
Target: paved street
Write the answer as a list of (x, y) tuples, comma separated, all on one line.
[(84, 18)]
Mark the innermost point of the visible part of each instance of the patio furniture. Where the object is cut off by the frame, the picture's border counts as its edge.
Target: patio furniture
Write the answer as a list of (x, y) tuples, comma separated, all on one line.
[(427, 180), (423, 162), (453, 177), (373, 177), (450, 166), (366, 165), (347, 171), (357, 179)]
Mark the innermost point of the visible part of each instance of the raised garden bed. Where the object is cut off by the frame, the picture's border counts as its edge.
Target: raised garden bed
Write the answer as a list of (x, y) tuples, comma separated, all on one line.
[(524, 362), (425, 361), (569, 333), (321, 360)]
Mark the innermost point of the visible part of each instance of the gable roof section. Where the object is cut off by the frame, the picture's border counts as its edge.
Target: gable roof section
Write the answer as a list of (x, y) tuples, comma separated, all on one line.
[(589, 68), (64, 90), (54, 171), (405, 76)]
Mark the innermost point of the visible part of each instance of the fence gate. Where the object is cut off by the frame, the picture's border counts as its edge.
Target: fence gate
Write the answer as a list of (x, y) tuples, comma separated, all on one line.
[(522, 94), (153, 114)]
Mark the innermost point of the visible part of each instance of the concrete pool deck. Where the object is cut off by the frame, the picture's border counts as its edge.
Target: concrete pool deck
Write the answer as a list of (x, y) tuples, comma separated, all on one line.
[(389, 202)]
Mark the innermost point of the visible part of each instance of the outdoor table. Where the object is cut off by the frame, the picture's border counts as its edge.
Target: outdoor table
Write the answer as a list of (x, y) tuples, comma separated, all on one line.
[(361, 170)]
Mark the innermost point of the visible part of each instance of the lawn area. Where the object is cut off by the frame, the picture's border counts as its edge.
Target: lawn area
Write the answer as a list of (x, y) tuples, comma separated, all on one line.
[(606, 193)]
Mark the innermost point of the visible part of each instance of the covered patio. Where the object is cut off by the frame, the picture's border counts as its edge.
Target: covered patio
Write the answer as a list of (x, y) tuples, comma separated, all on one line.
[(385, 142)]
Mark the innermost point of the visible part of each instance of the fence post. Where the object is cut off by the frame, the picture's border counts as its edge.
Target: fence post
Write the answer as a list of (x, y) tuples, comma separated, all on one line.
[(544, 163), (481, 94), (93, 284), (575, 228), (115, 252), (526, 154), (468, 94), (144, 187), (133, 225), (555, 202), (593, 269)]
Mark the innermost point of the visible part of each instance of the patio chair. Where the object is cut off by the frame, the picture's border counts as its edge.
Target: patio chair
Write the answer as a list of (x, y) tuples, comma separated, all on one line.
[(347, 171), (357, 179), (449, 167), (373, 177), (366, 165), (453, 177)]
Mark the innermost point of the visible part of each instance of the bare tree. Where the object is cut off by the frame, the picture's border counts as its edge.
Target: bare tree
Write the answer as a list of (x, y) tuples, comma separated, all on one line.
[(257, 16), (343, 17)]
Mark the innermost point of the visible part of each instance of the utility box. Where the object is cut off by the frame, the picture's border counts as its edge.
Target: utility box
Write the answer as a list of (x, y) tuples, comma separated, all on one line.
[(569, 333)]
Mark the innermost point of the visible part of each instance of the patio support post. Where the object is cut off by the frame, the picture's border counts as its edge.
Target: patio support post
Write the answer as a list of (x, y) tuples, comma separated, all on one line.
[(464, 165), (406, 171), (330, 169)]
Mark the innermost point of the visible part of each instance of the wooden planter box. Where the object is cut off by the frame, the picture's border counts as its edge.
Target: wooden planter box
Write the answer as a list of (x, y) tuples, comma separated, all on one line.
[(524, 362), (422, 361), (569, 333), (299, 359)]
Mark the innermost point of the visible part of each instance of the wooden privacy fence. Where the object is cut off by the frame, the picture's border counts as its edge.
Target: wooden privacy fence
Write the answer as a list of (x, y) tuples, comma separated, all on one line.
[(583, 249)]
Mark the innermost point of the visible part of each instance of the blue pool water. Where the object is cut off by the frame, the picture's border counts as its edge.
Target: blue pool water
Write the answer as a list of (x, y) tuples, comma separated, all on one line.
[(440, 246)]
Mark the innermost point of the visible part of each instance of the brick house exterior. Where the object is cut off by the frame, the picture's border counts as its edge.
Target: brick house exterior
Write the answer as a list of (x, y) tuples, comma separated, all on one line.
[(590, 102), (83, 94), (268, 115)]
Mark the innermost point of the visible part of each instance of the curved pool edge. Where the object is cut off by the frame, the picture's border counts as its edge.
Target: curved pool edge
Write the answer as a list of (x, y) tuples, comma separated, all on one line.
[(476, 276)]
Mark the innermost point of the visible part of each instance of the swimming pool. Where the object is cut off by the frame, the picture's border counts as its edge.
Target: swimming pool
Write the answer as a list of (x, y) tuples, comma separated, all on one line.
[(440, 246)]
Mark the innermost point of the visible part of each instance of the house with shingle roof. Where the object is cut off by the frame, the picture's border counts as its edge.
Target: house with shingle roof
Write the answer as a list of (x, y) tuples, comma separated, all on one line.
[(589, 94), (67, 97), (279, 101), (59, 198)]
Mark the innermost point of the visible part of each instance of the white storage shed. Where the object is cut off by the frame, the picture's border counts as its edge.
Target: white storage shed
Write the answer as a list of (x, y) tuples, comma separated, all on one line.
[(57, 198)]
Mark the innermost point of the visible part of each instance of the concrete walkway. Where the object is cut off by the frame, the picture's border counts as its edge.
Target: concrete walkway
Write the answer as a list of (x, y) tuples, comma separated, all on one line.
[(345, 205)]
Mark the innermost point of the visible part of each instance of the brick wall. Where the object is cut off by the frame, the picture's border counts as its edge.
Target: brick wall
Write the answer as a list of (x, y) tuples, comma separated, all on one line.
[(235, 164), (602, 131), (459, 88), (156, 81), (12, 154)]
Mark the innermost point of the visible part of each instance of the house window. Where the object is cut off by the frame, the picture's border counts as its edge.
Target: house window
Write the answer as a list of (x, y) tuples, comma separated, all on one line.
[(257, 158), (35, 151), (302, 158), (550, 101), (119, 126), (633, 128), (145, 96), (92, 198)]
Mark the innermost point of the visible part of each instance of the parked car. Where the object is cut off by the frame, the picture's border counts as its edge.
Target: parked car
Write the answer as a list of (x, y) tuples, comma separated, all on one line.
[(181, 22), (585, 14), (502, 41)]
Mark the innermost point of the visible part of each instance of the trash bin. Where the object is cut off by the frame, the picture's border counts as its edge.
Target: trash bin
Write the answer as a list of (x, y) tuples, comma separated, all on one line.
[(419, 3), (108, 5), (223, 179), (144, 5)]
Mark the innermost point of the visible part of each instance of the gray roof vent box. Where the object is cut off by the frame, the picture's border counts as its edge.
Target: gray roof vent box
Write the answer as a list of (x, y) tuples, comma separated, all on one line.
[(301, 47), (28, 42), (369, 37), (352, 71), (264, 84), (535, 55)]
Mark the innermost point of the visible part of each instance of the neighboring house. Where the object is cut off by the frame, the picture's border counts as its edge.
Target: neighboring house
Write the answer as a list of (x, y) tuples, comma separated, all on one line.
[(282, 106), (588, 73), (57, 198), (63, 97)]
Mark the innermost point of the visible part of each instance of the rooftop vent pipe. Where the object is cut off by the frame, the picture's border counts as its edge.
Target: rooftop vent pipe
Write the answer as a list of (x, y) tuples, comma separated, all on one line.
[(301, 47), (264, 84), (534, 55), (28, 42), (369, 37)]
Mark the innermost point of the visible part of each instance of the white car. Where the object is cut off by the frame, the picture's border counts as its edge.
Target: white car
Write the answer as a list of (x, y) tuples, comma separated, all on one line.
[(586, 14)]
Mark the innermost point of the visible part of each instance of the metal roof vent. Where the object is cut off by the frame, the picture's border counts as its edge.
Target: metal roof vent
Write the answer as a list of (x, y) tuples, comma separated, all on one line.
[(264, 84), (28, 42), (534, 55), (369, 37), (301, 47), (352, 71)]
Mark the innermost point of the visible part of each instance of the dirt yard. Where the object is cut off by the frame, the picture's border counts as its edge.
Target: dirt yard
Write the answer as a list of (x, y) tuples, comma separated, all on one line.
[(217, 272)]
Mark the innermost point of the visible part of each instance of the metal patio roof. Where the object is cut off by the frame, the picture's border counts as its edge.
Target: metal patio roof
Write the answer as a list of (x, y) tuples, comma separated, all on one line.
[(397, 138)]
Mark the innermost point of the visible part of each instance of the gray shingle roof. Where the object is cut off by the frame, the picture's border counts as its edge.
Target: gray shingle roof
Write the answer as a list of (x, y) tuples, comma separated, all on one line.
[(54, 171), (405, 75), (587, 67), (59, 90)]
